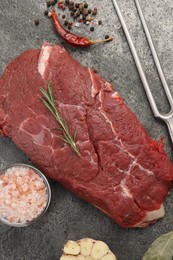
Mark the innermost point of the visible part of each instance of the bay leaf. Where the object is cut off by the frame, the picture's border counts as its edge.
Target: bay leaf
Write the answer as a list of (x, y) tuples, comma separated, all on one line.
[(161, 248)]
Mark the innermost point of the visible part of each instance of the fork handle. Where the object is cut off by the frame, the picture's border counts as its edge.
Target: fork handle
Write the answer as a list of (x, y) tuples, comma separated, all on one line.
[(169, 122)]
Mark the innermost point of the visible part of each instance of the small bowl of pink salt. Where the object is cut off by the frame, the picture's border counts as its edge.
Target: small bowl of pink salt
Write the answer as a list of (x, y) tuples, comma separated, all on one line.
[(25, 195)]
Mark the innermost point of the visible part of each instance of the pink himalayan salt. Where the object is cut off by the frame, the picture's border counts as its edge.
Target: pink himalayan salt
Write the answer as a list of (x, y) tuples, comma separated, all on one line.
[(23, 195)]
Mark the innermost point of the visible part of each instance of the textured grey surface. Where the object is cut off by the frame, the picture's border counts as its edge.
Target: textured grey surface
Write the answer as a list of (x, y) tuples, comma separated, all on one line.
[(69, 217)]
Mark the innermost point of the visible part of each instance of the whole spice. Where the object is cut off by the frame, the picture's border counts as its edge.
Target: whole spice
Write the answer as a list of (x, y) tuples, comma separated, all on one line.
[(106, 36), (85, 12), (92, 29), (85, 5), (60, 5), (70, 7), (73, 39), (71, 3), (46, 12), (37, 22), (81, 7), (89, 18), (53, 2), (65, 22), (48, 100), (48, 3), (78, 13), (77, 5), (75, 15), (70, 22), (94, 12), (63, 7), (161, 248)]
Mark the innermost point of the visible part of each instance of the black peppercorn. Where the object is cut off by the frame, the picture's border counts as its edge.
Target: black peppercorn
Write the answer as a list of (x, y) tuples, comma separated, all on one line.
[(106, 36), (85, 5), (75, 16), (91, 29), (63, 16), (99, 22), (53, 2), (77, 5), (48, 3), (36, 22), (46, 12), (89, 11), (65, 22), (85, 12), (70, 7), (94, 12), (78, 13)]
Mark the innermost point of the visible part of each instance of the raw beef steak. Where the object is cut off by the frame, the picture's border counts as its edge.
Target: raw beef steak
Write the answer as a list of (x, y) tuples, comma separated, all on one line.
[(121, 170)]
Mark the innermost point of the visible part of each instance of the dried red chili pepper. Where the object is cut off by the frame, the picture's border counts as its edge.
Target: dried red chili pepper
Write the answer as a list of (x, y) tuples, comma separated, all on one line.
[(73, 39)]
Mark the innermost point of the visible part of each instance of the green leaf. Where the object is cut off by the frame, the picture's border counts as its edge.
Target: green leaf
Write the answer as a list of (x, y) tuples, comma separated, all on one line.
[(44, 93), (48, 106), (161, 248), (50, 93), (75, 134), (48, 100)]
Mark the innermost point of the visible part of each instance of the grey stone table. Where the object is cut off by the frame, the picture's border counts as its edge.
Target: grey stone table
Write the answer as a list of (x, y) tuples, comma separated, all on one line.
[(68, 216)]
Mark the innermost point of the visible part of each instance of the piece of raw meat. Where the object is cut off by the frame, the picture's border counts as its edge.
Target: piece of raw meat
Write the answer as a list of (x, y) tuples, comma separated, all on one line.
[(121, 170)]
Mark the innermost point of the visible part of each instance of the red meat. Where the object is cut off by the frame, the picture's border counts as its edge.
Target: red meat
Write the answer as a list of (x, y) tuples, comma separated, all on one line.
[(121, 170)]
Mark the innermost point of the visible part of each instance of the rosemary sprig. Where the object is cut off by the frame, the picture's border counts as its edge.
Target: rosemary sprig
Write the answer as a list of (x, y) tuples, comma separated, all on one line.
[(48, 100)]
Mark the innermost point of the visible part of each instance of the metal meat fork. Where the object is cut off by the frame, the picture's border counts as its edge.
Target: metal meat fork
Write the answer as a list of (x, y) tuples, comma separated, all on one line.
[(167, 118)]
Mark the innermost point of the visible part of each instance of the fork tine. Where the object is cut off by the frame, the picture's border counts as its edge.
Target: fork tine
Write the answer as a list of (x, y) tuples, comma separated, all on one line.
[(168, 118), (137, 62), (154, 54)]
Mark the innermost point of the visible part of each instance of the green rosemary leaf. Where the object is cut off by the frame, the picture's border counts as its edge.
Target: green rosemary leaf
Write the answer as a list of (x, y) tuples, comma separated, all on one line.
[(49, 102), (49, 89), (47, 105), (47, 97), (57, 128), (44, 93), (75, 133)]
